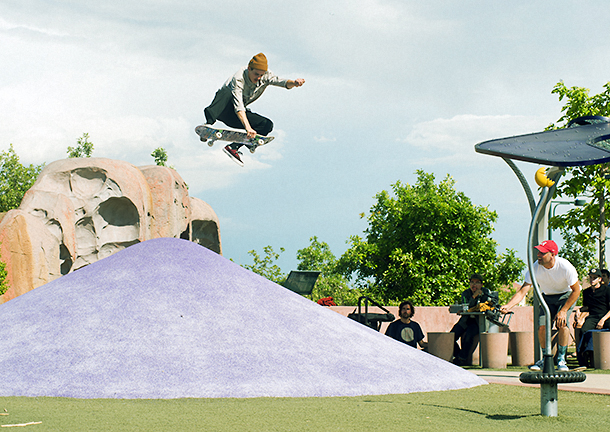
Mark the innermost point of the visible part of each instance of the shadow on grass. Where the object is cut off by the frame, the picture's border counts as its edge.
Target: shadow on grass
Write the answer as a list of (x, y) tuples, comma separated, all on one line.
[(487, 416)]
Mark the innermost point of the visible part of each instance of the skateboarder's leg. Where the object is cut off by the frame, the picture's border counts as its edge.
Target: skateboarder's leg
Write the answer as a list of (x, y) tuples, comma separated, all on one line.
[(228, 117), (262, 125)]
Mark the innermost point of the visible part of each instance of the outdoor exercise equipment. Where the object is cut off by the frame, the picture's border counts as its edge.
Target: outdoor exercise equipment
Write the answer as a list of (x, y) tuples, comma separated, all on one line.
[(585, 141), (370, 319)]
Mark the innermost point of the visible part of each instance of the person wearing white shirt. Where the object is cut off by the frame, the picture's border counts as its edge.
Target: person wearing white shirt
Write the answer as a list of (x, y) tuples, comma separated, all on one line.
[(558, 281)]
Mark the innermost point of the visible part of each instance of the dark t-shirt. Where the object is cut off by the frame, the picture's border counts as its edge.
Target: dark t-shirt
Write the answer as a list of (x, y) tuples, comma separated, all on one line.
[(410, 333), (597, 301)]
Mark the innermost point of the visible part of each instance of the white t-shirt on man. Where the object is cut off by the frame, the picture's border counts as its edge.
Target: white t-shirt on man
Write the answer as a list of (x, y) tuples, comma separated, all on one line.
[(556, 280)]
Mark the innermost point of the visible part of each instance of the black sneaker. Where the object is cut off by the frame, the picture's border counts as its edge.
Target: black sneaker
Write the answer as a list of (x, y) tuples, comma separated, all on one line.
[(233, 154)]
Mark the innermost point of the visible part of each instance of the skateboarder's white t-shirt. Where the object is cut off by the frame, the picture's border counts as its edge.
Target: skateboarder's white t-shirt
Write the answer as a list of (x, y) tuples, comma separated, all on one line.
[(245, 91), (556, 280)]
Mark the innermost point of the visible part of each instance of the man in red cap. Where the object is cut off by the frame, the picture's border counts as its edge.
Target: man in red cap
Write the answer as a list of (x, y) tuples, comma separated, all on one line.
[(558, 281), (239, 91)]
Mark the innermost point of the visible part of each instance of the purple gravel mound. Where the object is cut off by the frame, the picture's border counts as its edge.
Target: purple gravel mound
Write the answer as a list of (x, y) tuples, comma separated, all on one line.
[(170, 319)]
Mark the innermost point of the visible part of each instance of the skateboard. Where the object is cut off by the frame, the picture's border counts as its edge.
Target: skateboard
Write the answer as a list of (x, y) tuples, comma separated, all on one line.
[(210, 135)]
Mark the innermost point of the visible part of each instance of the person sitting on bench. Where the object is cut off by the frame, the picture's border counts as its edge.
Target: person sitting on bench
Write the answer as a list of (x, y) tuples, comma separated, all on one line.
[(467, 328), (595, 302), (404, 329)]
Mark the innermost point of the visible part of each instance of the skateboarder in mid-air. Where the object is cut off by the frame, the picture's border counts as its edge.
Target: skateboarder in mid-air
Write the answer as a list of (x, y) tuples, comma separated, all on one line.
[(243, 88)]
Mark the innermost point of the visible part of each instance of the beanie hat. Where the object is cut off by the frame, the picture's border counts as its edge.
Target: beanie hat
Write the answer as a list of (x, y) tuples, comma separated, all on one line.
[(259, 61)]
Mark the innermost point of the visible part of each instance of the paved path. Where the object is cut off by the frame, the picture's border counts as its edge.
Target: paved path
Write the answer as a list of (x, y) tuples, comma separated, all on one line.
[(595, 382)]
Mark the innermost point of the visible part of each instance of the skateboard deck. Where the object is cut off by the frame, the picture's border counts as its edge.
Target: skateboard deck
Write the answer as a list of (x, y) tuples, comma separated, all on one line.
[(210, 135)]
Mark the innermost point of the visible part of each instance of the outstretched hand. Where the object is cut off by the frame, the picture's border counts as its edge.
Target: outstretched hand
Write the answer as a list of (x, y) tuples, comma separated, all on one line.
[(295, 83)]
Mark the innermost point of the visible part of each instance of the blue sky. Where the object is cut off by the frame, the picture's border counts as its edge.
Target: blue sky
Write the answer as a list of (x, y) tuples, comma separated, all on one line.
[(391, 87)]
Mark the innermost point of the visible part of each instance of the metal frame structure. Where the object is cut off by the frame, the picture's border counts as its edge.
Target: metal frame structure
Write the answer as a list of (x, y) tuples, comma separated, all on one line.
[(585, 141)]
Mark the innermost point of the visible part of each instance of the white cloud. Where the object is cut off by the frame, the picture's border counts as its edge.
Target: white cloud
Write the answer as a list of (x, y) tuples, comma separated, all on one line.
[(447, 139), (324, 139), (136, 76), (8, 27)]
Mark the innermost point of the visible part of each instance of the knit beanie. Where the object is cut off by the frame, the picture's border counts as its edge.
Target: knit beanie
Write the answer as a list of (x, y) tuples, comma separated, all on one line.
[(259, 61)]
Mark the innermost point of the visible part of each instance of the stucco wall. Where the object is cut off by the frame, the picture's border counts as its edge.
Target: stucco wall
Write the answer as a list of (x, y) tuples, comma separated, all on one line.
[(438, 318)]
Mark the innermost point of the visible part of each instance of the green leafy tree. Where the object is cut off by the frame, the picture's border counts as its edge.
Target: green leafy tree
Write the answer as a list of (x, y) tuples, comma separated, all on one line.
[(83, 148), (331, 282), (15, 179), (587, 223), (3, 274), (423, 242), (160, 155), (582, 257), (265, 266)]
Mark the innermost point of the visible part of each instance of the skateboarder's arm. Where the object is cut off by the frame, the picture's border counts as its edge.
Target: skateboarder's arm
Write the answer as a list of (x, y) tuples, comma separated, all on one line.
[(295, 83), (244, 120)]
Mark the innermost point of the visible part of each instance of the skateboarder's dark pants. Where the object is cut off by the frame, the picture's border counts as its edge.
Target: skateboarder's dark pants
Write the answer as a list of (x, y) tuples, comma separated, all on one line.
[(468, 330), (262, 125)]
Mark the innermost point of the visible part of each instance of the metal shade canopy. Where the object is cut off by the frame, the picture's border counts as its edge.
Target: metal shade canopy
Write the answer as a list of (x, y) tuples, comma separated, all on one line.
[(586, 141)]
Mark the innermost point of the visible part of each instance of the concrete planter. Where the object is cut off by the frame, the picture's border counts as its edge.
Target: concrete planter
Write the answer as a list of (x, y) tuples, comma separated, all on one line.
[(494, 350), (522, 348), (440, 344), (601, 349)]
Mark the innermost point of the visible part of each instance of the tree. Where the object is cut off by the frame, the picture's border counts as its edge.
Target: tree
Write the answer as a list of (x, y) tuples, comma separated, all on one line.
[(3, 274), (83, 148), (581, 256), (423, 242), (15, 179), (588, 223), (266, 266), (331, 282), (160, 156)]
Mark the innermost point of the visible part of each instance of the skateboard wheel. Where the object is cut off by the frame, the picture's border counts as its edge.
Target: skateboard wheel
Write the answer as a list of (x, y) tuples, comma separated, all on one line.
[(218, 135), (261, 142), (211, 143), (252, 149)]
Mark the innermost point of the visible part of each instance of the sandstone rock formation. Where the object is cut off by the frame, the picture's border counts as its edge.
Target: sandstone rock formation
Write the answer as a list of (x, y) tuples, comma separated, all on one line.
[(84, 209)]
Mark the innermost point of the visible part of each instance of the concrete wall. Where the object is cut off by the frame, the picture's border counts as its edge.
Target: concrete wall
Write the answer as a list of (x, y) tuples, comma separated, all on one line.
[(438, 318)]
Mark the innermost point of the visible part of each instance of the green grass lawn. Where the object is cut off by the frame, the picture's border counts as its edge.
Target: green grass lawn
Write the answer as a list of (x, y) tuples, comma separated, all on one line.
[(487, 408)]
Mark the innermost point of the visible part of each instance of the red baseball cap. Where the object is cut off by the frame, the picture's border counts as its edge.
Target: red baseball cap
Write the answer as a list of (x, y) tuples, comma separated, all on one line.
[(548, 246)]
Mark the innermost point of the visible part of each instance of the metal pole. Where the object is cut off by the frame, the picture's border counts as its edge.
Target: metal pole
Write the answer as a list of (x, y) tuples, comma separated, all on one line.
[(551, 213), (532, 203), (548, 390), (524, 184)]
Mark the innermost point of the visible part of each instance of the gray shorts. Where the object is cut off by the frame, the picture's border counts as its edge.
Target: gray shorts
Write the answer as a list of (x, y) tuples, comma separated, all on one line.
[(555, 302)]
